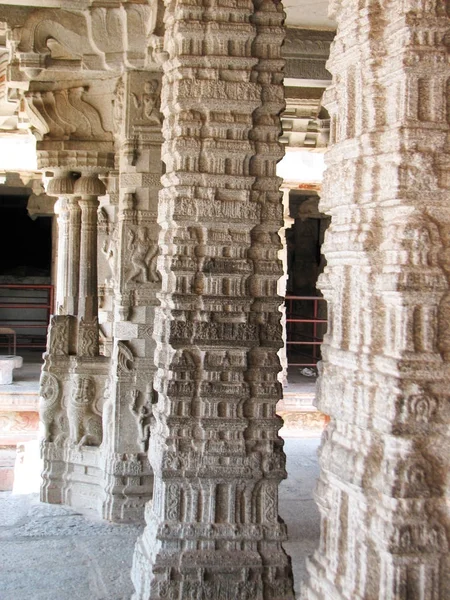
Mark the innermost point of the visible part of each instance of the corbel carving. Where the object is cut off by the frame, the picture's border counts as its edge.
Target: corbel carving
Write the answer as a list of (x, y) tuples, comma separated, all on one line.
[(64, 114), (99, 38)]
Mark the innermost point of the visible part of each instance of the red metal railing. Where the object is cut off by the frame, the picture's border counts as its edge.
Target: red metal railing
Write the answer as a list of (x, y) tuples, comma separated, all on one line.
[(23, 303), (310, 340)]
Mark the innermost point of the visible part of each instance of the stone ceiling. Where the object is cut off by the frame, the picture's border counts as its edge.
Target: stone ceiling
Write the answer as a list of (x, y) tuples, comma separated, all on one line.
[(309, 14)]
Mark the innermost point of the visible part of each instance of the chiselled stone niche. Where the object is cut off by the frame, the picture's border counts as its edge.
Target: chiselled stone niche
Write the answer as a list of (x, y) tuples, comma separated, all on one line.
[(212, 527), (383, 490)]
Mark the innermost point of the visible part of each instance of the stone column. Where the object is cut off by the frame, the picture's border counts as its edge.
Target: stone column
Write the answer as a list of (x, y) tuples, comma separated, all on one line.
[(73, 263), (383, 491), (288, 221), (66, 208), (89, 187), (212, 528)]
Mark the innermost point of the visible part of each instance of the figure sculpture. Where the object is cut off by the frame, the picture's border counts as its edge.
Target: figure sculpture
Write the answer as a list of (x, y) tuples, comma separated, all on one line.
[(85, 426)]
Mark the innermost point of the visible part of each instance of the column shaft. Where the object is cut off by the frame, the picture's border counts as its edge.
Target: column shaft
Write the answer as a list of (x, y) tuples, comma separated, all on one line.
[(62, 270), (212, 527), (73, 262), (383, 490), (88, 292), (62, 185)]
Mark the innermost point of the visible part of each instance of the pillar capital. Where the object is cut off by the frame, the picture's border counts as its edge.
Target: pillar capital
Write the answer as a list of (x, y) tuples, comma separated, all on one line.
[(89, 186), (61, 184)]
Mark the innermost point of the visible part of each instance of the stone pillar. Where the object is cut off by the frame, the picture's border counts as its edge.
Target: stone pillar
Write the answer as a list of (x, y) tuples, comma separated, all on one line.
[(212, 528), (383, 490), (89, 187), (133, 244), (288, 221), (68, 212)]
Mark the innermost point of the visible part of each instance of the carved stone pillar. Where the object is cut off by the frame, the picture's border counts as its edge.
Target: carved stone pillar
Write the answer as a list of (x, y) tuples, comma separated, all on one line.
[(74, 376), (62, 185), (212, 528), (96, 409), (383, 491), (288, 221), (132, 249), (89, 187)]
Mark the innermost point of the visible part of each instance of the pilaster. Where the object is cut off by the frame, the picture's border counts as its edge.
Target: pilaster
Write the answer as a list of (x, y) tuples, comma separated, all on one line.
[(136, 282)]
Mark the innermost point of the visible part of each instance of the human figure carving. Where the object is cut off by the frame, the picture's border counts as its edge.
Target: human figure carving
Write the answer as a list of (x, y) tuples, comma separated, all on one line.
[(142, 415), (118, 105), (109, 249), (147, 102), (143, 255), (85, 426)]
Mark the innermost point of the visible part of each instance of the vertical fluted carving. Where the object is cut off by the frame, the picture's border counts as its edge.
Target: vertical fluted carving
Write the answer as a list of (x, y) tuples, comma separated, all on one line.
[(73, 262), (89, 188), (383, 492), (212, 527), (66, 207)]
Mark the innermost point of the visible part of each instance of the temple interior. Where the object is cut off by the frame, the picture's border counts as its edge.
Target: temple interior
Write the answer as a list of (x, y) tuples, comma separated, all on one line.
[(224, 299)]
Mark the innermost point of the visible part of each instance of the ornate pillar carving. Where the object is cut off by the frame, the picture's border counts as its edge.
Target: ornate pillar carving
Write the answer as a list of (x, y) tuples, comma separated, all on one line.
[(212, 527), (73, 140), (133, 251), (88, 187), (84, 126), (62, 185), (383, 491)]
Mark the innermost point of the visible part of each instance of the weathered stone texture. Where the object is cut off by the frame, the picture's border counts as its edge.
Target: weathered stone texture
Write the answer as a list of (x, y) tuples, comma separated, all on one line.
[(382, 492), (212, 527)]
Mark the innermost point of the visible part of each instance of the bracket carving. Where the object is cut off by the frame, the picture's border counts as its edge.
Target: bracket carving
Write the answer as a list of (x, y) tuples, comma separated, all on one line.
[(64, 114)]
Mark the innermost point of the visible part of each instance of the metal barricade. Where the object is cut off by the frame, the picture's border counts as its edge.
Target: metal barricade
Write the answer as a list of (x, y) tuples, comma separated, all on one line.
[(307, 337)]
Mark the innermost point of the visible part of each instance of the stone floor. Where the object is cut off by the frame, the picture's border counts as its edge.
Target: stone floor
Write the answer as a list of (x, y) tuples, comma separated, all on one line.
[(54, 553)]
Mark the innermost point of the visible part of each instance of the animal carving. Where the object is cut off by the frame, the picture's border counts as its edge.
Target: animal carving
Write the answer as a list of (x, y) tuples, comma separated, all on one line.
[(85, 426), (49, 405)]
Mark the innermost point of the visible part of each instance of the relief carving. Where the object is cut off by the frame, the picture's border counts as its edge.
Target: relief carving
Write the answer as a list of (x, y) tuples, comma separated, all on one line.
[(125, 359), (85, 425), (107, 414), (58, 335), (142, 412), (143, 254), (102, 221), (146, 103), (110, 249), (88, 339), (119, 106), (50, 407)]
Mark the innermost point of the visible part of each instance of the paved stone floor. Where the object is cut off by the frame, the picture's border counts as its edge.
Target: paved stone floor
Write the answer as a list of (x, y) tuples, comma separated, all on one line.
[(54, 553)]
